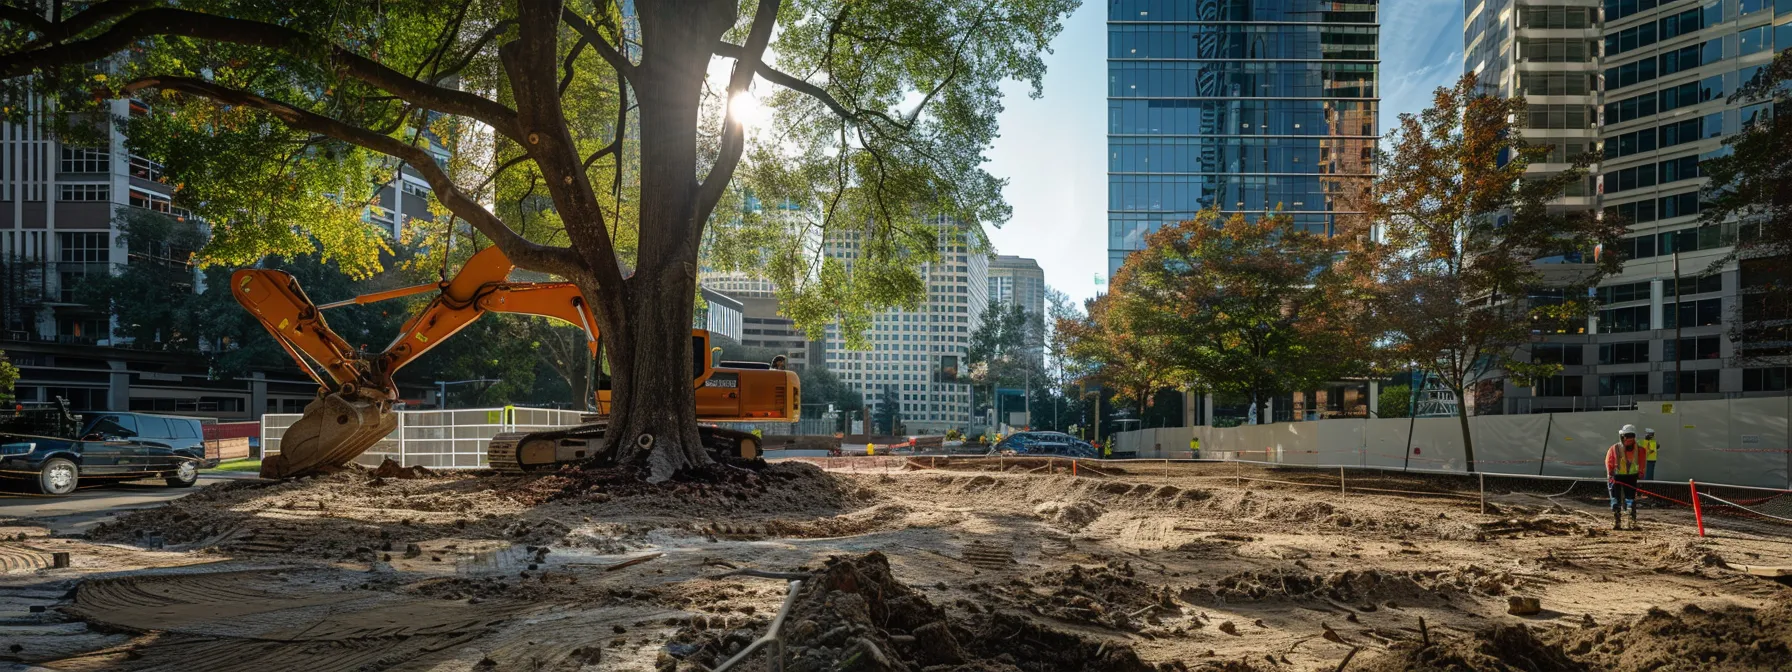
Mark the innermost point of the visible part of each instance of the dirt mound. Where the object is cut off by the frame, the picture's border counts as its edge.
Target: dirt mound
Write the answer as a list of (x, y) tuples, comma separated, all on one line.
[(1504, 648), (1732, 638), (1353, 586), (1104, 595), (1070, 516), (853, 614), (391, 469)]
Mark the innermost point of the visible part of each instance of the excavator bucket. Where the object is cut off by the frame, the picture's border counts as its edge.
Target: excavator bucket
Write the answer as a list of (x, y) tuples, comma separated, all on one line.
[(334, 430)]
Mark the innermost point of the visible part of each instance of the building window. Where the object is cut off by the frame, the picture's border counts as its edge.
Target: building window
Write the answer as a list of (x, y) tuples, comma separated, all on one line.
[(1624, 384), (84, 192), (1691, 382), (1635, 291), (1557, 353), (1703, 284), (1702, 347), (1701, 313), (82, 160), (1633, 352), (1557, 386), (83, 248), (1622, 320), (1770, 379)]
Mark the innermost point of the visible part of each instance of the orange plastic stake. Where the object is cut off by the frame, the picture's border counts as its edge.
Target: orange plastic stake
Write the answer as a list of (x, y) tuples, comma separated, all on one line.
[(1698, 513)]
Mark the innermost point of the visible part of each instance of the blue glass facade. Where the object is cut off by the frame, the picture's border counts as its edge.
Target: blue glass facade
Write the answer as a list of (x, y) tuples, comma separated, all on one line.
[(1250, 105)]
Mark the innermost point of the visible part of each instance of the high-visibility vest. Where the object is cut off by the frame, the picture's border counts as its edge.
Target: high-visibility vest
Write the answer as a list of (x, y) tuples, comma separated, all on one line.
[(1628, 461), (1649, 447)]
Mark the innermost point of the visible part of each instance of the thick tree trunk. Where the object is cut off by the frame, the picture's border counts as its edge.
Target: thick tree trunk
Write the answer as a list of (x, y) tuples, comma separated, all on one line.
[(654, 423)]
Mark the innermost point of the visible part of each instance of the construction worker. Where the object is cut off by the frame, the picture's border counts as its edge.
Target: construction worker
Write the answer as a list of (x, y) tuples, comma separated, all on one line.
[(1623, 464), (1649, 446), (1194, 448), (779, 362)]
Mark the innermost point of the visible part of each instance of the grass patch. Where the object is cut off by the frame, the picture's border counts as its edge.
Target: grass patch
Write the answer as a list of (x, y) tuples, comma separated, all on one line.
[(249, 465)]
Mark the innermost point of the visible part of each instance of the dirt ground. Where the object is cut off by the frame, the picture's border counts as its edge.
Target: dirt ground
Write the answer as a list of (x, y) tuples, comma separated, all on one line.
[(988, 565)]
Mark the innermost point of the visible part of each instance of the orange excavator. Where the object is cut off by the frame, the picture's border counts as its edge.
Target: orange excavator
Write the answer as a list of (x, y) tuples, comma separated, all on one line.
[(353, 410)]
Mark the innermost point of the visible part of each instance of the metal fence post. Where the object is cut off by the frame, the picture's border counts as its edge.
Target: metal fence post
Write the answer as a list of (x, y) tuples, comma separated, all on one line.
[(402, 457)]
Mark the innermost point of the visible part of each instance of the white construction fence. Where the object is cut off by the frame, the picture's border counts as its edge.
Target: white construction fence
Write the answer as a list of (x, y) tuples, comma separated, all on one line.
[(452, 439), (1733, 441)]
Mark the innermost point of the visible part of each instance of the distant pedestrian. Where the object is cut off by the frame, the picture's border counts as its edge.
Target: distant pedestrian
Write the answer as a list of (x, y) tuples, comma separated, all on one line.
[(1194, 448), (779, 362), (1623, 464), (1649, 447)]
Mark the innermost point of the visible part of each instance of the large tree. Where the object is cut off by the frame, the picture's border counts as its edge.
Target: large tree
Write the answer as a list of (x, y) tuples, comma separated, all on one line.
[(621, 132), (1004, 351), (1460, 252), (1108, 349), (1751, 184), (1247, 307)]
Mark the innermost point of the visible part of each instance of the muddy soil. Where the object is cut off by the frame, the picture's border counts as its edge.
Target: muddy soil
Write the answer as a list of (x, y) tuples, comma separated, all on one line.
[(986, 565)]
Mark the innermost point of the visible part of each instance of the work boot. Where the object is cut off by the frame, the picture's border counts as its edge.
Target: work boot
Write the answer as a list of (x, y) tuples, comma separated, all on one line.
[(1617, 520), (1633, 524)]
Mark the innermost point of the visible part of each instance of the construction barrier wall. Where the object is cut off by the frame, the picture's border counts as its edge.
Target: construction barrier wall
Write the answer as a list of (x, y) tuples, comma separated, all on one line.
[(451, 439), (1734, 441)]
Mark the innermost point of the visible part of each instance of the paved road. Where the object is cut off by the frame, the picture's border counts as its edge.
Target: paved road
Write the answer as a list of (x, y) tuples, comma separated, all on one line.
[(91, 505)]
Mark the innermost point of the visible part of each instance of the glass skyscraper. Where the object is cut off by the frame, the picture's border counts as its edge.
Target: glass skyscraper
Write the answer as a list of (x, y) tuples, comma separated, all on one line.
[(1250, 105)]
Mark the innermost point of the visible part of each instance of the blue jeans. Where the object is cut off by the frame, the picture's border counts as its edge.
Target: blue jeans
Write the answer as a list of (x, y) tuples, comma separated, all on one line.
[(1622, 489), (1649, 471)]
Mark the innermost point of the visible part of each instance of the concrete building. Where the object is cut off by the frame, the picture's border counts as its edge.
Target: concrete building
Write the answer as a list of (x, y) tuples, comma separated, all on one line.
[(1019, 280), (764, 327), (1249, 106), (914, 362), (59, 211), (720, 314), (1645, 84)]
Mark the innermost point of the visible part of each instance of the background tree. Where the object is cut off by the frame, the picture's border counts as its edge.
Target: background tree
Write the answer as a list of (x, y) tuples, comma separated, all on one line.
[(152, 297), (1395, 401), (1004, 352), (9, 376), (1245, 307), (1112, 352), (1751, 183), (821, 386), (266, 116), (1454, 239)]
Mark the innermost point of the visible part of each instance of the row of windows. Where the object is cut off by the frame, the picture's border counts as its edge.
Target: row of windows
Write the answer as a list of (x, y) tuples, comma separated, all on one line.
[(1768, 379), (1240, 79), (1649, 210), (1649, 175), (1631, 352), (1634, 291), (1557, 17), (1689, 349), (84, 192), (1241, 117), (1351, 11), (1679, 132), (1672, 26), (1230, 192), (1618, 9), (81, 160), (1694, 382), (85, 247), (1640, 291), (1237, 41), (1671, 98), (1238, 155), (1684, 240), (1678, 60), (1557, 50), (1558, 116), (1557, 83)]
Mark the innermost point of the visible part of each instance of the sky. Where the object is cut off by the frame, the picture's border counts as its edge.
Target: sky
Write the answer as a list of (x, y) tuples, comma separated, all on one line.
[(1052, 149)]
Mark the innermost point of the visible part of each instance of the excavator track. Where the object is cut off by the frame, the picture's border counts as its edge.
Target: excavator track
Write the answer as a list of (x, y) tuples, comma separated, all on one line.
[(520, 452)]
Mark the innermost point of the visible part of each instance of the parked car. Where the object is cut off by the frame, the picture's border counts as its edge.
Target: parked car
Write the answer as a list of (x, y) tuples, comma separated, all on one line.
[(114, 446), (1045, 443)]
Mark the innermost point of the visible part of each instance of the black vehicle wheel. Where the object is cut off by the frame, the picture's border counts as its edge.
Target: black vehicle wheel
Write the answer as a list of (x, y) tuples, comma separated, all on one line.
[(58, 477), (185, 475)]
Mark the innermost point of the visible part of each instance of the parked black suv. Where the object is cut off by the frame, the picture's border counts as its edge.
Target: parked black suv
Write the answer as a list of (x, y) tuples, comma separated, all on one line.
[(111, 446)]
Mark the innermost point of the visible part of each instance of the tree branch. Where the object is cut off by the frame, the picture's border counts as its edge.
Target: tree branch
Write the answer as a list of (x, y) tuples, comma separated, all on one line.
[(51, 32), (467, 59), (734, 135), (184, 23), (559, 261), (619, 62), (26, 18)]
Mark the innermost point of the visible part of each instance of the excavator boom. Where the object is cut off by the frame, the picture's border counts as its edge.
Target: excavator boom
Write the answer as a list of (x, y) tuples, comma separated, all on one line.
[(353, 410)]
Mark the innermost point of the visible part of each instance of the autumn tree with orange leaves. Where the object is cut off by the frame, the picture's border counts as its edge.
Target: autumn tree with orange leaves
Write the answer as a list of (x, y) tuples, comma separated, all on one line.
[(1459, 257)]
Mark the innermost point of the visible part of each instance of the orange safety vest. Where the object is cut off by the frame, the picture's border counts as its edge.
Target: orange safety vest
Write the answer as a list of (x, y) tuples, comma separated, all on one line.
[(1620, 461)]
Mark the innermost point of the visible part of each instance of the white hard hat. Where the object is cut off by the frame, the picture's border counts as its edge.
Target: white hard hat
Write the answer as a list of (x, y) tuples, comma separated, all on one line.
[(1627, 429), (1648, 430)]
